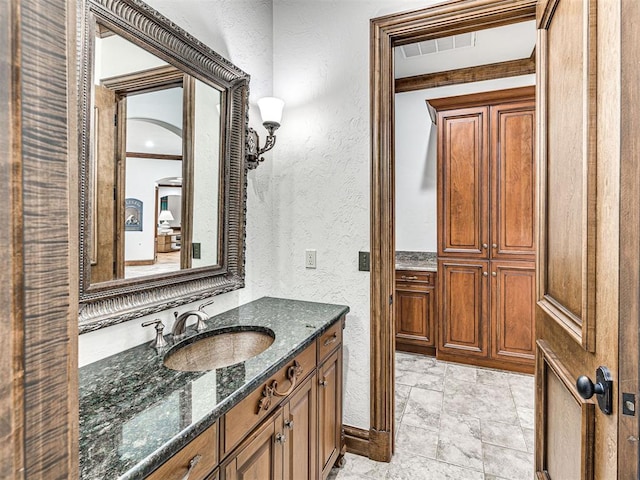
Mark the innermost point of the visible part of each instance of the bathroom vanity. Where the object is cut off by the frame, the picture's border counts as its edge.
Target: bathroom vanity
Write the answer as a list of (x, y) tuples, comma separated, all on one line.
[(277, 415)]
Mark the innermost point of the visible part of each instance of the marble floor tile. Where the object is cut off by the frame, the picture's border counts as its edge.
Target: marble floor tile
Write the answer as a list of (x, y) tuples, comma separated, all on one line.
[(527, 417), (461, 373), (503, 435), (360, 467), (423, 409), (508, 463), (492, 377), (419, 441), (522, 395), (426, 380), (415, 467), (483, 403), (529, 439), (459, 441), (413, 362), (521, 379)]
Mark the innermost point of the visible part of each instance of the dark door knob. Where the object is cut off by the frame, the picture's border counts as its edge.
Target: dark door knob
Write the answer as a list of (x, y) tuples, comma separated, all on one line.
[(586, 388), (603, 388)]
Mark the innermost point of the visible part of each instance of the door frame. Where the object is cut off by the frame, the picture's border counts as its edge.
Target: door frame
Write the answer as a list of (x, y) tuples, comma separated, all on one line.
[(454, 17), (460, 16)]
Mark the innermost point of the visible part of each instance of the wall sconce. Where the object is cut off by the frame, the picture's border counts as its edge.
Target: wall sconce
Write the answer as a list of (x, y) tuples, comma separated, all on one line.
[(271, 113)]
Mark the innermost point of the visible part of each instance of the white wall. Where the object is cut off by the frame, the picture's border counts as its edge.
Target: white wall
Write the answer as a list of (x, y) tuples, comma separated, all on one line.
[(416, 160), (242, 32), (322, 165)]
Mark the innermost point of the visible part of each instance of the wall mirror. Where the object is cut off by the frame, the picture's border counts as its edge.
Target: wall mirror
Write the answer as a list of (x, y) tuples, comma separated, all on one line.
[(162, 171)]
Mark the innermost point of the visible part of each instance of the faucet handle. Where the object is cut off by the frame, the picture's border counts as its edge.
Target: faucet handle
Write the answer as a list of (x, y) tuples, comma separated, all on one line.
[(159, 341), (206, 304)]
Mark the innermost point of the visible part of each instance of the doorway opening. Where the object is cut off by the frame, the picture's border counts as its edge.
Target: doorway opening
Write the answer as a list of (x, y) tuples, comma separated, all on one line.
[(387, 33)]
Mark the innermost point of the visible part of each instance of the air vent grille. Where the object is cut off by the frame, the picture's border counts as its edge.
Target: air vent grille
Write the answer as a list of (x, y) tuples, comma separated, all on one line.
[(439, 45)]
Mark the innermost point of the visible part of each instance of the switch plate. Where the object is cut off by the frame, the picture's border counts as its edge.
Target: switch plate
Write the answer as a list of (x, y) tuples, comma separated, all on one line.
[(364, 261), (310, 259), (196, 250)]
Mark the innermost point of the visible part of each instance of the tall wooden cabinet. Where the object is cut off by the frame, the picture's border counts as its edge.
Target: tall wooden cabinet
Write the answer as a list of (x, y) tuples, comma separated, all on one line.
[(486, 224)]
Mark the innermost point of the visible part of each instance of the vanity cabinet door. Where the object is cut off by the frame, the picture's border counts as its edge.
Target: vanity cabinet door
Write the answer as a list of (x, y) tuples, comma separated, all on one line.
[(330, 411), (260, 456), (301, 431), (415, 312)]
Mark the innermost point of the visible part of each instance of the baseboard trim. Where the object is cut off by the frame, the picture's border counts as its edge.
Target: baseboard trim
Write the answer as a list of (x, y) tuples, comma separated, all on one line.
[(138, 263), (356, 440)]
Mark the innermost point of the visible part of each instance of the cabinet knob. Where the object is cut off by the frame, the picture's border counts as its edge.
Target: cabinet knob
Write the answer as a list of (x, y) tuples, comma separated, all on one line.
[(288, 424), (485, 274), (494, 245), (494, 274), (323, 383), (485, 246), (281, 438)]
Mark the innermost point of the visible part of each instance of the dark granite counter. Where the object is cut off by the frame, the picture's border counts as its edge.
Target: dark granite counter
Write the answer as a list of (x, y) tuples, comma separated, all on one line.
[(135, 413), (425, 261)]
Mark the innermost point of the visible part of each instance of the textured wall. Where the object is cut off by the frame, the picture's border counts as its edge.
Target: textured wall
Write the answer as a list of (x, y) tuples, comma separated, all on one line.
[(242, 32), (322, 165), (416, 160)]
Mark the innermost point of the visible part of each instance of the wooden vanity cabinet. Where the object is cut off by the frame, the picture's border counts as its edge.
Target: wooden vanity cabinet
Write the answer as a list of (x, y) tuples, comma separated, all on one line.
[(486, 228), (300, 426), (330, 411), (415, 311)]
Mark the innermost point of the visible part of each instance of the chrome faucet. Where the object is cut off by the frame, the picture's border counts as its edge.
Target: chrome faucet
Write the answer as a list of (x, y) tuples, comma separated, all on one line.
[(180, 325)]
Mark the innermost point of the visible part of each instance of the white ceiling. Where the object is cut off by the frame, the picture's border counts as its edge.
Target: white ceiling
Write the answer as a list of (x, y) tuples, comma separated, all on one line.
[(500, 44)]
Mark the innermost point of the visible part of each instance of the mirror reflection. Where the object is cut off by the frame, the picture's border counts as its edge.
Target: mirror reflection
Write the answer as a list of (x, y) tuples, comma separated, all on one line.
[(155, 165)]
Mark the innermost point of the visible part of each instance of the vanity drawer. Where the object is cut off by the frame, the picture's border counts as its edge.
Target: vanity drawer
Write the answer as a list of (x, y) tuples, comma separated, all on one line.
[(415, 277), (329, 340), (204, 445), (256, 406)]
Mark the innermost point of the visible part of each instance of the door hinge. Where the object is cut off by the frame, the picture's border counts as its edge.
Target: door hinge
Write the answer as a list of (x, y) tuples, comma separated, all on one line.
[(115, 119)]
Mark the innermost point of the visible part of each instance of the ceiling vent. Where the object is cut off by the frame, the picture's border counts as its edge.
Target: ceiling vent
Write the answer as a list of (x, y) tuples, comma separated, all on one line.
[(438, 45)]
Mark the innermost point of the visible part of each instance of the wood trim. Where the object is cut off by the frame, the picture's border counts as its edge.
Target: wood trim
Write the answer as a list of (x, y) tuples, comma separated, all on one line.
[(39, 396), (509, 95), (138, 263), (448, 18), (629, 279), (154, 156), (357, 440), (548, 361), (581, 328), (512, 68), (12, 436), (158, 78)]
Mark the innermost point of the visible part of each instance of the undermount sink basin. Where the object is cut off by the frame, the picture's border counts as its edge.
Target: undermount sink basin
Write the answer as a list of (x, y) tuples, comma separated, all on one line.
[(218, 349)]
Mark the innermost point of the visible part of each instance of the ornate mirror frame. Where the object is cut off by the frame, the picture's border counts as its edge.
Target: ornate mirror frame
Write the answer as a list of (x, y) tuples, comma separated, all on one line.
[(113, 302)]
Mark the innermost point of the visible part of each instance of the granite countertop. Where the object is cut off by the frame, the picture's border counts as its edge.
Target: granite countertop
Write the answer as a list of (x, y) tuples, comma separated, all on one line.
[(135, 413), (425, 261)]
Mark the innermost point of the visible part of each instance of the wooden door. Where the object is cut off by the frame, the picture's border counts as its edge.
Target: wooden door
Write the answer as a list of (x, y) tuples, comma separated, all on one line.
[(513, 291), (464, 301), (463, 185), (103, 176), (301, 430), (330, 411), (513, 181), (414, 317), (260, 456), (579, 223)]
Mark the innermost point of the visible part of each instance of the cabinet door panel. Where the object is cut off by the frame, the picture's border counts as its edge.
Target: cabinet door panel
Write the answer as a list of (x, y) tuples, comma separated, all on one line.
[(512, 181), (300, 427), (513, 311), (260, 456), (464, 302), (415, 315), (463, 182), (330, 411)]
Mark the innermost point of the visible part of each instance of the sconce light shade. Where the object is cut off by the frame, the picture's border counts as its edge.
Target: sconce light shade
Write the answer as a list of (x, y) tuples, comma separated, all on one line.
[(271, 110)]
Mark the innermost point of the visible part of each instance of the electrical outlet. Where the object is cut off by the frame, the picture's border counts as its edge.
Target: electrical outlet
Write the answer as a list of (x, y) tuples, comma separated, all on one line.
[(364, 261), (196, 250), (310, 259)]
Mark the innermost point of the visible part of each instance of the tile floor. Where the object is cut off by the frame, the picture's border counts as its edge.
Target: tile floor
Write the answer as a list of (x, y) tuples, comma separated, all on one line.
[(455, 422)]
